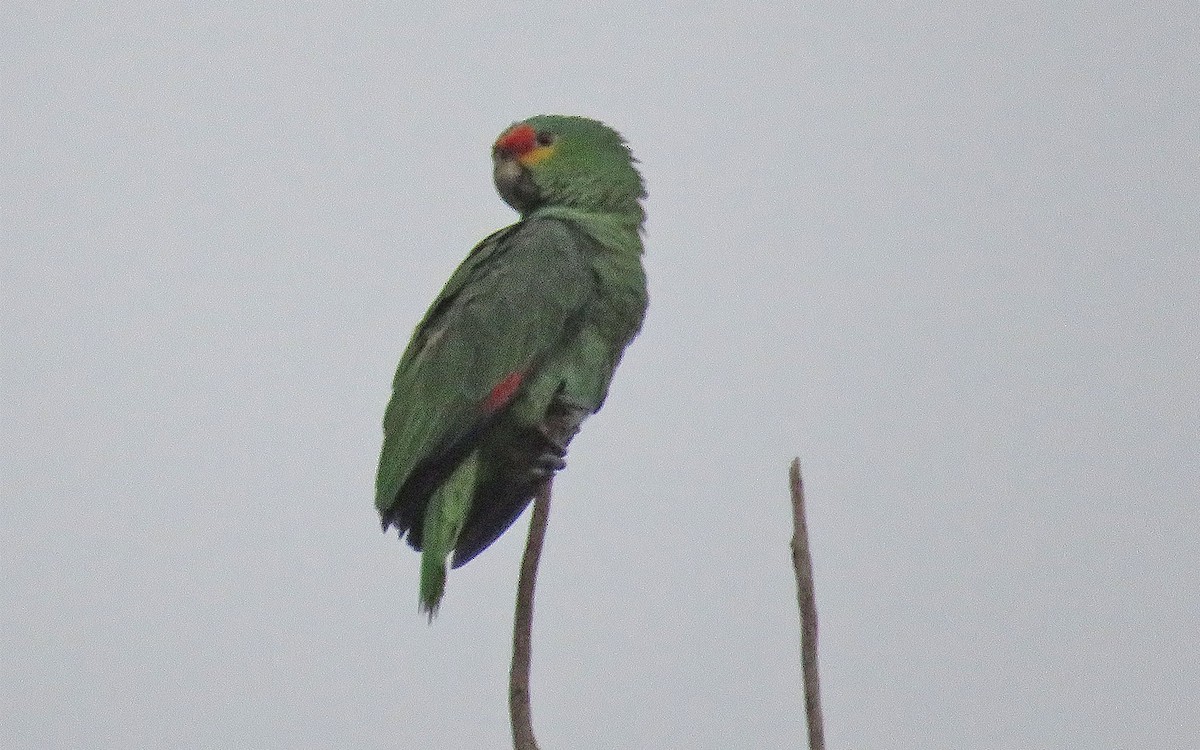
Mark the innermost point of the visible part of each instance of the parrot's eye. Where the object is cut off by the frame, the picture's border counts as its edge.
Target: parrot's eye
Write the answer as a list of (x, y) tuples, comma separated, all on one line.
[(545, 138)]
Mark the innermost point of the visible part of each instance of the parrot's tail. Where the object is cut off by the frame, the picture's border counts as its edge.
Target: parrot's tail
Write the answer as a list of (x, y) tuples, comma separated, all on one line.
[(444, 518)]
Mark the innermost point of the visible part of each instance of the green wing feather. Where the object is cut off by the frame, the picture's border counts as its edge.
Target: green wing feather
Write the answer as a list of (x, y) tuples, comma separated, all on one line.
[(517, 296)]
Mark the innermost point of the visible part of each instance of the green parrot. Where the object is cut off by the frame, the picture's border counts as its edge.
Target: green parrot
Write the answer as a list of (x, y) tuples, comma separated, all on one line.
[(519, 347)]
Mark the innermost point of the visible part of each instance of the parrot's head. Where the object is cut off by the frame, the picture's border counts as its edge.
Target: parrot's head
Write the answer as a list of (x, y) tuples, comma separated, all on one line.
[(554, 160)]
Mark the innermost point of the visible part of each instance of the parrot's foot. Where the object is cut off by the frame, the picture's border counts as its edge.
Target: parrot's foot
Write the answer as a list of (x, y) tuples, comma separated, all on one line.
[(559, 426), (550, 460)]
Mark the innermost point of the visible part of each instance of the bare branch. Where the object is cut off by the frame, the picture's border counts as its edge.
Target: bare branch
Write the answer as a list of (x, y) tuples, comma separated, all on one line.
[(519, 710), (806, 597)]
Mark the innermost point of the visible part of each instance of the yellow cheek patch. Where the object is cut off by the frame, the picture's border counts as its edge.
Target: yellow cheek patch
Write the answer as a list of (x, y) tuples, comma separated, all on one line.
[(537, 155)]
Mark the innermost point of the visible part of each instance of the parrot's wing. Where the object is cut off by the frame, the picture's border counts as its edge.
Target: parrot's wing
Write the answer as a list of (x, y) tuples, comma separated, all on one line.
[(518, 294)]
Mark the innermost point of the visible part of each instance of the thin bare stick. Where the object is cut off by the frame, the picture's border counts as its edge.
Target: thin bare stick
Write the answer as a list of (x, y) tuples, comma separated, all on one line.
[(519, 711), (806, 597)]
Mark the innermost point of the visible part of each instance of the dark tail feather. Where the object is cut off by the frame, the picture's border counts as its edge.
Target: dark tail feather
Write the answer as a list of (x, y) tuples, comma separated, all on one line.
[(496, 508)]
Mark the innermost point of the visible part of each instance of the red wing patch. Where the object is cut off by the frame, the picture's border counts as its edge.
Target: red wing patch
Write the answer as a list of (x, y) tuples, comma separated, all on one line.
[(504, 391)]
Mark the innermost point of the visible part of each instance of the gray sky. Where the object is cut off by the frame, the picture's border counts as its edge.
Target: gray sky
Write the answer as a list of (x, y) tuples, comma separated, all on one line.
[(947, 254)]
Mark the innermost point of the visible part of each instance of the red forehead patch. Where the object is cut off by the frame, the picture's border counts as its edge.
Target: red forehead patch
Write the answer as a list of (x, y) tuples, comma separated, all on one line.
[(518, 140)]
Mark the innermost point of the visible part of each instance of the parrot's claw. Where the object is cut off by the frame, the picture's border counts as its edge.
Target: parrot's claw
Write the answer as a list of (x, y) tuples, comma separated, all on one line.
[(546, 465), (555, 433), (554, 447)]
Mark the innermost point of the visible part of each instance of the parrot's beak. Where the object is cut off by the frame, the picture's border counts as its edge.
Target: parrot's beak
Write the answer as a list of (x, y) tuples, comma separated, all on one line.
[(506, 170), (513, 181)]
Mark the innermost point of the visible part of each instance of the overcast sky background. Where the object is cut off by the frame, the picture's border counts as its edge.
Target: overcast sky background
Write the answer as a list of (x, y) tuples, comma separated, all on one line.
[(946, 253)]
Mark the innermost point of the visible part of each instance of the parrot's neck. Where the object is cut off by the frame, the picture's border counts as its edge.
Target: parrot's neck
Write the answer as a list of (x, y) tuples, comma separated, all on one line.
[(620, 232)]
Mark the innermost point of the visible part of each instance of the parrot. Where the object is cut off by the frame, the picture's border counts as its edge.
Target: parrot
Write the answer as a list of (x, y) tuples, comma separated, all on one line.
[(518, 348)]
